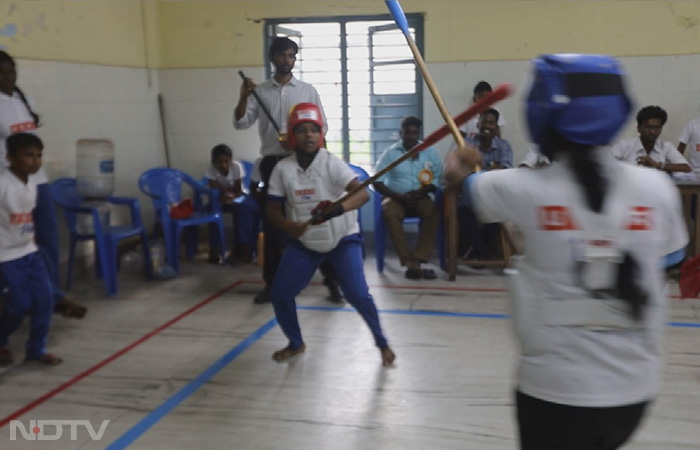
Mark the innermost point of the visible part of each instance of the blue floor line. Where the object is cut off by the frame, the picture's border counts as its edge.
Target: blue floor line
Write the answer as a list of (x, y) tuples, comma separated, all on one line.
[(455, 314), (147, 422)]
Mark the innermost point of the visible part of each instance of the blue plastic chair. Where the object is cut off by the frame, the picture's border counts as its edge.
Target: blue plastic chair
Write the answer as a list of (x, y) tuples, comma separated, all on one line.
[(164, 187), (380, 230), (362, 175), (106, 237), (247, 169)]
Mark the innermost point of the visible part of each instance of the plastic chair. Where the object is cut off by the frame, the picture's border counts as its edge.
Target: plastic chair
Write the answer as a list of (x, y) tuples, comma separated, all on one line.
[(164, 187), (106, 237), (380, 230), (362, 175), (247, 169)]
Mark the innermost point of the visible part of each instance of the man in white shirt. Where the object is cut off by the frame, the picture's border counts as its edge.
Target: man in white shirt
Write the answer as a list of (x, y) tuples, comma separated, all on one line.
[(279, 94), (690, 139), (648, 150)]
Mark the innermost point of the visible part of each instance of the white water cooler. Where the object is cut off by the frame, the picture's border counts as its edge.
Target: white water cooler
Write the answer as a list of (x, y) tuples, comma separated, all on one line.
[(94, 179)]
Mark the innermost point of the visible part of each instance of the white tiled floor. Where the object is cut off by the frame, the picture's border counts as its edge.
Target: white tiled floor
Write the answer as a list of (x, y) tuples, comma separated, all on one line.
[(450, 387)]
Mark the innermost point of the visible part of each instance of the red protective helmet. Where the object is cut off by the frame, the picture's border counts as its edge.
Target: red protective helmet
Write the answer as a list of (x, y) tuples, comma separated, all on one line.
[(300, 113)]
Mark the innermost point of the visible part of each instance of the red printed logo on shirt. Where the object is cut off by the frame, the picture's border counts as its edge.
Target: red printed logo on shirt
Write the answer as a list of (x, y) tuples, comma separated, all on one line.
[(697, 148), (302, 192), (639, 219), (20, 127), (556, 218), (19, 218)]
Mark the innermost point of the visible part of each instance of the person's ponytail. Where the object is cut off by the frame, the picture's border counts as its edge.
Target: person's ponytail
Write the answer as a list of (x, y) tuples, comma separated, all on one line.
[(588, 173)]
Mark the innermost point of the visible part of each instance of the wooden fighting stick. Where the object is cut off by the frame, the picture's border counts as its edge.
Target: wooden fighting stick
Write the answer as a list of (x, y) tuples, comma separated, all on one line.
[(477, 108)]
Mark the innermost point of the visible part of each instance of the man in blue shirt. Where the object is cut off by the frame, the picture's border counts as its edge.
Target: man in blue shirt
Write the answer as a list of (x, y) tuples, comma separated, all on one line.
[(496, 153), (405, 189)]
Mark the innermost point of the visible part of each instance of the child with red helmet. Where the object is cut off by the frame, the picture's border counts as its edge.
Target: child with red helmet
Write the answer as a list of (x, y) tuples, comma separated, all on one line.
[(302, 185)]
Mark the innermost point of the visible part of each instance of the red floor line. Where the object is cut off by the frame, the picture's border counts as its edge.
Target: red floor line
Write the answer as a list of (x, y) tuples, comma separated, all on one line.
[(116, 355)]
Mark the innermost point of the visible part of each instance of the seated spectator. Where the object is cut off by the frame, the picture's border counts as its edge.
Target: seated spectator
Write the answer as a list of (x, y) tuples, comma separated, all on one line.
[(496, 153), (533, 159), (471, 127), (405, 189), (690, 138), (647, 149), (226, 175)]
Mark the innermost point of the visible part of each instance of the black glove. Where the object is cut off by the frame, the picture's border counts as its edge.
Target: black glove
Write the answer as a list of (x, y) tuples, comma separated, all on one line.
[(318, 216)]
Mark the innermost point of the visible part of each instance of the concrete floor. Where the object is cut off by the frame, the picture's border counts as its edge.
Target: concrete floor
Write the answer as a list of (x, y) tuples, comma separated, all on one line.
[(186, 364)]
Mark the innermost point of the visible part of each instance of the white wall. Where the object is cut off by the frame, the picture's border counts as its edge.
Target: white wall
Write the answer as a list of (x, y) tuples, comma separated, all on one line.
[(198, 108), (86, 101)]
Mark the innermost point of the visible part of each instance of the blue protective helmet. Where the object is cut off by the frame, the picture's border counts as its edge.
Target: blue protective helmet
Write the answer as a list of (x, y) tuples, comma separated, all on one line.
[(581, 98)]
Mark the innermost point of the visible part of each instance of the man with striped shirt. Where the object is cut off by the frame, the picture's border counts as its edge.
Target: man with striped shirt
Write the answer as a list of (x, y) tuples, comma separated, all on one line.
[(279, 94)]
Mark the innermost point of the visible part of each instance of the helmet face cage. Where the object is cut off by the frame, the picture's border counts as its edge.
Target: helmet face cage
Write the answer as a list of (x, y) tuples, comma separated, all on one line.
[(300, 113), (581, 98)]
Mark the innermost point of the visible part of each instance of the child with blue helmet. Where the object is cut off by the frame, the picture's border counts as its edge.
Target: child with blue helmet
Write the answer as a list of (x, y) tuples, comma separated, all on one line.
[(588, 295)]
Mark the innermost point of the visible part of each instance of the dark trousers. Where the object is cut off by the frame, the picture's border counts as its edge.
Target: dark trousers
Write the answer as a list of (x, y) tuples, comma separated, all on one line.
[(274, 237), (482, 237), (550, 426)]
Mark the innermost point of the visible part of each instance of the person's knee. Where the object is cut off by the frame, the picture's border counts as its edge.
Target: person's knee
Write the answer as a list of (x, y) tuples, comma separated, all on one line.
[(432, 211), (392, 211)]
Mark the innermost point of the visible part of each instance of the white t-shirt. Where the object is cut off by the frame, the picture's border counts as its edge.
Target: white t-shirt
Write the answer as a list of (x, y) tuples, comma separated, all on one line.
[(628, 150), (15, 118), (325, 166), (17, 200), (235, 173), (470, 128), (690, 136), (576, 365), (533, 158)]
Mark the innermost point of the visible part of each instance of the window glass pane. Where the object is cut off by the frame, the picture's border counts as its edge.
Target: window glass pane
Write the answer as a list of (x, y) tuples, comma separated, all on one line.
[(382, 80)]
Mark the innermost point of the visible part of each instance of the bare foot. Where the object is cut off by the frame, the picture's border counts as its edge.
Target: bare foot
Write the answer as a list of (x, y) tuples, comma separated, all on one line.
[(388, 356), (286, 353)]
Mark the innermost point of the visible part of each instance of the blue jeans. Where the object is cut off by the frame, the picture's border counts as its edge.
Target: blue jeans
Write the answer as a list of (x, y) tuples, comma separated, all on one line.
[(29, 292), (245, 211), (295, 270)]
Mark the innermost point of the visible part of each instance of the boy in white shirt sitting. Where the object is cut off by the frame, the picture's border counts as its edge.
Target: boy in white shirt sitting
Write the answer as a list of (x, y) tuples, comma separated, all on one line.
[(21, 267), (226, 175)]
